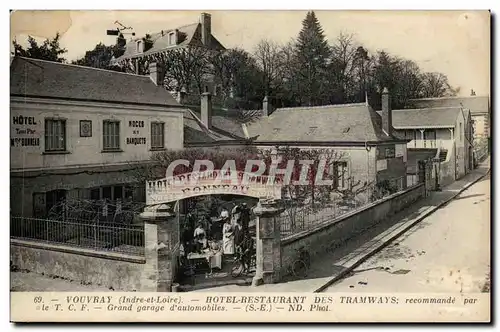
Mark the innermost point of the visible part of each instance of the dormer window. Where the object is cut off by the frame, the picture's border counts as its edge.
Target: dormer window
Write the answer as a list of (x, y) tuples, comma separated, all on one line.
[(140, 46), (171, 38)]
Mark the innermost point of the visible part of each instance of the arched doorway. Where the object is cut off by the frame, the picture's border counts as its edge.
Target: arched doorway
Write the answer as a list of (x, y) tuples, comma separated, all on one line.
[(170, 200)]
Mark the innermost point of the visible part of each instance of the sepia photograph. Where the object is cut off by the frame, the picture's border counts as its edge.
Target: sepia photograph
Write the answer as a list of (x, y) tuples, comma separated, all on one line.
[(287, 165)]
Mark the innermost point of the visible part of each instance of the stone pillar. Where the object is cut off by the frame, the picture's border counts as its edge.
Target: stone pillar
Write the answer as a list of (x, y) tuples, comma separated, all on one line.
[(268, 243), (160, 237)]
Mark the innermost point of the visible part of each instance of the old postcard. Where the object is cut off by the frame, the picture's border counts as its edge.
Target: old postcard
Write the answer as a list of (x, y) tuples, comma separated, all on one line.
[(250, 166)]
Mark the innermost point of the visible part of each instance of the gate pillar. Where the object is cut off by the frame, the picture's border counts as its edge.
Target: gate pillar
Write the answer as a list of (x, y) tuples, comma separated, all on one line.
[(161, 246), (268, 258)]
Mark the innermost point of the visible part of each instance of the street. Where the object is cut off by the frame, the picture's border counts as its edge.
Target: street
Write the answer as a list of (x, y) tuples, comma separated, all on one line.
[(447, 252)]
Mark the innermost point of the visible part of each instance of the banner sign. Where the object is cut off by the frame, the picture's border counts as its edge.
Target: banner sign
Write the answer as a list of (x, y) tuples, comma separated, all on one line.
[(211, 183)]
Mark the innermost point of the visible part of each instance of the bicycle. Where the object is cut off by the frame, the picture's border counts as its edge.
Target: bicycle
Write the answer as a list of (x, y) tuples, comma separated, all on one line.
[(302, 264), (237, 268)]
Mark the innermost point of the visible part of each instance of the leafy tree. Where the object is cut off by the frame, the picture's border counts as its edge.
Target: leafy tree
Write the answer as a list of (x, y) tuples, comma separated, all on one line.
[(312, 53), (99, 57), (49, 50), (436, 85)]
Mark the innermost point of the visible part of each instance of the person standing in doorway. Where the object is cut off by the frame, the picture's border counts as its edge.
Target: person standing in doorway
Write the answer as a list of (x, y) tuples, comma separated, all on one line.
[(245, 218), (228, 238)]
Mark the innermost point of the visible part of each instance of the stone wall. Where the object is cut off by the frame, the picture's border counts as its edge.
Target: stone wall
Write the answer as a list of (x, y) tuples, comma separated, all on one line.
[(339, 230), (112, 270)]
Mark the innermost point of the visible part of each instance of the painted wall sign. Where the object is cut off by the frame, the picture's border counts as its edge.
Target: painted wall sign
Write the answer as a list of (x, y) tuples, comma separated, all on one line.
[(136, 124), (23, 120), (136, 140), (26, 131), (24, 141)]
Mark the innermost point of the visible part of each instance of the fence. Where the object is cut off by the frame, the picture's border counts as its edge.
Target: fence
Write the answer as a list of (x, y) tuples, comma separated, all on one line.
[(84, 234), (298, 218), (481, 151)]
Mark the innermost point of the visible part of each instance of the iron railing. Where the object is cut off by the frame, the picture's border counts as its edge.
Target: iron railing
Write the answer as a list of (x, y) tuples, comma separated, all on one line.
[(120, 238), (296, 219)]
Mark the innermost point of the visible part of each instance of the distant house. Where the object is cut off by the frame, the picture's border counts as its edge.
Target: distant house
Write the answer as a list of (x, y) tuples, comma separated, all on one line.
[(443, 133), (197, 38), (479, 107), (370, 152)]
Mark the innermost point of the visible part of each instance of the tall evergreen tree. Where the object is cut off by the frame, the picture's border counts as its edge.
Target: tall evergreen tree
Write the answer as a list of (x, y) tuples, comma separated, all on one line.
[(312, 53)]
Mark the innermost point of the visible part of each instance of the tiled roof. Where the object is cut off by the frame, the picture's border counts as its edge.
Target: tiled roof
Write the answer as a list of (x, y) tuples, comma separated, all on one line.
[(39, 78), (333, 123), (228, 122), (444, 117), (191, 35), (196, 133), (476, 104)]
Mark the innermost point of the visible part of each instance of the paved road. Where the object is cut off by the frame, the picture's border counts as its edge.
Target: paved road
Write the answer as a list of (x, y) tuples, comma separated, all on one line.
[(447, 252)]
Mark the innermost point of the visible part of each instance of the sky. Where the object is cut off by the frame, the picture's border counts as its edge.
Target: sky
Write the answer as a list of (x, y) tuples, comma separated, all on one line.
[(456, 43)]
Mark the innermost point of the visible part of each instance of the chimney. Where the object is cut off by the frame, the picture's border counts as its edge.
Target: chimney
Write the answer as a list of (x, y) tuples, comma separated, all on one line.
[(156, 73), (173, 37), (206, 109), (386, 112), (206, 28), (266, 107), (472, 92)]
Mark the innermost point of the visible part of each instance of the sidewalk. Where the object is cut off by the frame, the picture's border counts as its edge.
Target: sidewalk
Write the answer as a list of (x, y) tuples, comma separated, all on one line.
[(331, 267)]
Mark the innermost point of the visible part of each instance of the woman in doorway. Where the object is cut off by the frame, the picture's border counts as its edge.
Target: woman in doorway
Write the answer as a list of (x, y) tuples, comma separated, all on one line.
[(228, 238)]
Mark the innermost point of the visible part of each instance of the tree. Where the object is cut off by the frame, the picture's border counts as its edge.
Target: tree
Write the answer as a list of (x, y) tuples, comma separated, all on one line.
[(312, 53), (270, 60), (99, 57), (436, 85), (235, 70), (50, 49), (342, 65)]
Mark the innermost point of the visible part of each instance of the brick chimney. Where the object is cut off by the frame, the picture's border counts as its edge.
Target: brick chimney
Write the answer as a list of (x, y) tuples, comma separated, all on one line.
[(267, 108), (156, 73), (206, 28), (206, 109), (386, 112)]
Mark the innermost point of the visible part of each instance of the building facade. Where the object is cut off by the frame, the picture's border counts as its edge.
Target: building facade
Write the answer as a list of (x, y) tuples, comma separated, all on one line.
[(444, 134), (365, 149), (84, 133), (478, 106)]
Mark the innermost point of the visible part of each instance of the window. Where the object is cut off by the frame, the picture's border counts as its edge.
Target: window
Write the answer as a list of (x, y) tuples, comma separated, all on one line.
[(139, 46), (171, 38), (53, 200), (340, 174), (460, 132), (111, 193), (55, 135), (157, 135), (390, 153), (111, 135)]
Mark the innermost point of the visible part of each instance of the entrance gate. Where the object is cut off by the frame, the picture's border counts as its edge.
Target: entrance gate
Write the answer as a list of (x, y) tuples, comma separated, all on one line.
[(162, 226)]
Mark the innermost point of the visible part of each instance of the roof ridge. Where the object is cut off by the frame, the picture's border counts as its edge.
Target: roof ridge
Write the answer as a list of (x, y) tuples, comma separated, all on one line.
[(449, 97), (164, 30), (80, 66), (426, 108), (321, 106)]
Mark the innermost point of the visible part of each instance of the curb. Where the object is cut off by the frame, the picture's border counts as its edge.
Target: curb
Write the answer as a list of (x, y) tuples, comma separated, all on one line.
[(360, 261)]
